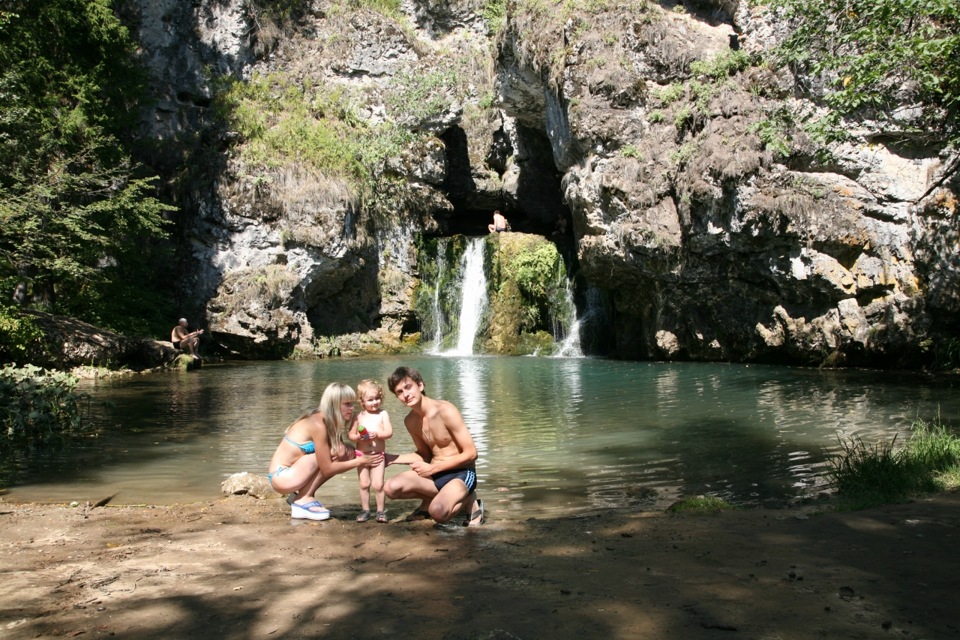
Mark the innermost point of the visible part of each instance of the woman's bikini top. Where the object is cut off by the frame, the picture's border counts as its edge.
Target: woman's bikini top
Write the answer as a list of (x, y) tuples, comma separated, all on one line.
[(307, 447)]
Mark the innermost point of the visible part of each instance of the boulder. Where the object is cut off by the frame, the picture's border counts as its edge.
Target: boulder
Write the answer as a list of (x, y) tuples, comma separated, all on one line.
[(246, 483), (68, 343)]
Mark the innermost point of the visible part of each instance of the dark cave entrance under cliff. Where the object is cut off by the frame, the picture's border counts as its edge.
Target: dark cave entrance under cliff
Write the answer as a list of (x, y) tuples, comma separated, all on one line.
[(536, 204)]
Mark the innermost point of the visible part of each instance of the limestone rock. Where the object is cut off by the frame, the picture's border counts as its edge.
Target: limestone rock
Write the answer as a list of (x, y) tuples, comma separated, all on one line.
[(709, 223), (246, 483), (68, 342)]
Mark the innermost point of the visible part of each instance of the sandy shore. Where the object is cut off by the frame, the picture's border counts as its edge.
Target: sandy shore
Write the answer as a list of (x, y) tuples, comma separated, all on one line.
[(240, 568)]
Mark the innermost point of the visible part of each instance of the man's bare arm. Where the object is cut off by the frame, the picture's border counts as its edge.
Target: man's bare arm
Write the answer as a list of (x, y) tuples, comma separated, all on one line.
[(402, 458)]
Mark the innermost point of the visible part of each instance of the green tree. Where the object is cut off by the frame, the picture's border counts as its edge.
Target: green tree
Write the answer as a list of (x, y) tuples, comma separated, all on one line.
[(77, 217), (877, 55)]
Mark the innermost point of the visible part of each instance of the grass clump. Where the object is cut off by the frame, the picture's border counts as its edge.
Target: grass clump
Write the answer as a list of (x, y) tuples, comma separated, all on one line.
[(388, 8), (721, 66), (282, 121), (423, 95), (884, 473), (495, 14), (775, 132), (311, 128), (670, 93)]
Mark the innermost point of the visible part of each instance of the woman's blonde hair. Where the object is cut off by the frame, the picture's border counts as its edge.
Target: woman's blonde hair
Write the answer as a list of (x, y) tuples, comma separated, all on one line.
[(334, 395)]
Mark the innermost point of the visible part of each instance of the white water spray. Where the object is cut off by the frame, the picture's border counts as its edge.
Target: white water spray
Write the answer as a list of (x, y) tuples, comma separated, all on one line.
[(570, 346), (473, 298), (437, 312)]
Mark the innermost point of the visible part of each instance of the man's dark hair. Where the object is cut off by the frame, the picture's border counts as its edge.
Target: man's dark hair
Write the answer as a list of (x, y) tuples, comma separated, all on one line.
[(399, 374)]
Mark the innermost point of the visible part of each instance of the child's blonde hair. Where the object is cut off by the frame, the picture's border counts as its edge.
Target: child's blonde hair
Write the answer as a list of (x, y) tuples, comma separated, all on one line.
[(369, 386)]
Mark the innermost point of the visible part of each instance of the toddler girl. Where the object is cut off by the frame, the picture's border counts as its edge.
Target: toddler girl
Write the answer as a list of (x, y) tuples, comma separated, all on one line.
[(369, 431)]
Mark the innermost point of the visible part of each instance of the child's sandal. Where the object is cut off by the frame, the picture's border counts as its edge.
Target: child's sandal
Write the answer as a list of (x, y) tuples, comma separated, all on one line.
[(364, 516), (381, 516)]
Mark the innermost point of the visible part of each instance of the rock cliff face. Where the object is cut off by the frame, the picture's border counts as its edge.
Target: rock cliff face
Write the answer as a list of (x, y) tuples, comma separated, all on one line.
[(679, 189)]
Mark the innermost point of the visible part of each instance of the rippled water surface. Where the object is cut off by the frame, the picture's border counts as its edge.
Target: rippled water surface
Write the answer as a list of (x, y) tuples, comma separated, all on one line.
[(554, 435)]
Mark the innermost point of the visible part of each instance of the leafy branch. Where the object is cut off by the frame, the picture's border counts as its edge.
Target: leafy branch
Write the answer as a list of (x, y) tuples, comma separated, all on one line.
[(879, 55)]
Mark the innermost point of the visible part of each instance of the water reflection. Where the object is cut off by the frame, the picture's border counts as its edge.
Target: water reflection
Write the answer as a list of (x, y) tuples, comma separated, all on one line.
[(553, 434), (472, 390)]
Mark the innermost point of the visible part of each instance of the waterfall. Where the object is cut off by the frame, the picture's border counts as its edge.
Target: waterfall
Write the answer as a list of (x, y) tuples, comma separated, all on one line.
[(473, 298), (595, 321), (570, 345), (437, 311), (455, 313)]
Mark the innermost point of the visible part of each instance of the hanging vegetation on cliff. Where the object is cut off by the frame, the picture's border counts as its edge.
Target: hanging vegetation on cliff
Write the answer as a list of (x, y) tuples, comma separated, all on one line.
[(882, 59)]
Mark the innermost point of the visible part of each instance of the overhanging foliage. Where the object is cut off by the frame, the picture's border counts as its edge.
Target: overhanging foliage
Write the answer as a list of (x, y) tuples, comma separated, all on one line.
[(880, 55), (75, 210)]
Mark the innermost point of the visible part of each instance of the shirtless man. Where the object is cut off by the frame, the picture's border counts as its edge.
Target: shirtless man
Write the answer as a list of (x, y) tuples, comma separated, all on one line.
[(184, 340), (500, 223), (442, 471)]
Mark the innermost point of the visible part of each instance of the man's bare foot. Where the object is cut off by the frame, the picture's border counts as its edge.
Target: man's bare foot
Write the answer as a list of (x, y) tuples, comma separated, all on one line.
[(476, 517)]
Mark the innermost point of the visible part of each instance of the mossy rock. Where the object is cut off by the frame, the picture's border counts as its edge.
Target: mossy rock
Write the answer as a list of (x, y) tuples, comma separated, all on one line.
[(186, 362), (526, 272)]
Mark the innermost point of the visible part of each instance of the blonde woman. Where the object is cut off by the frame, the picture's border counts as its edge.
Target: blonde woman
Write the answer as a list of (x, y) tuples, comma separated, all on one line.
[(312, 451)]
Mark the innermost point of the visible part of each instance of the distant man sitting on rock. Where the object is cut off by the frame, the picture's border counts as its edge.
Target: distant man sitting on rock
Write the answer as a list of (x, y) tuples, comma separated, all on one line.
[(185, 340), (500, 223)]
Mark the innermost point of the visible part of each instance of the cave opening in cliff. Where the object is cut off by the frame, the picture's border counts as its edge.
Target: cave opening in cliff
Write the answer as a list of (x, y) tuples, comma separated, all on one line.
[(531, 200), (473, 205)]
